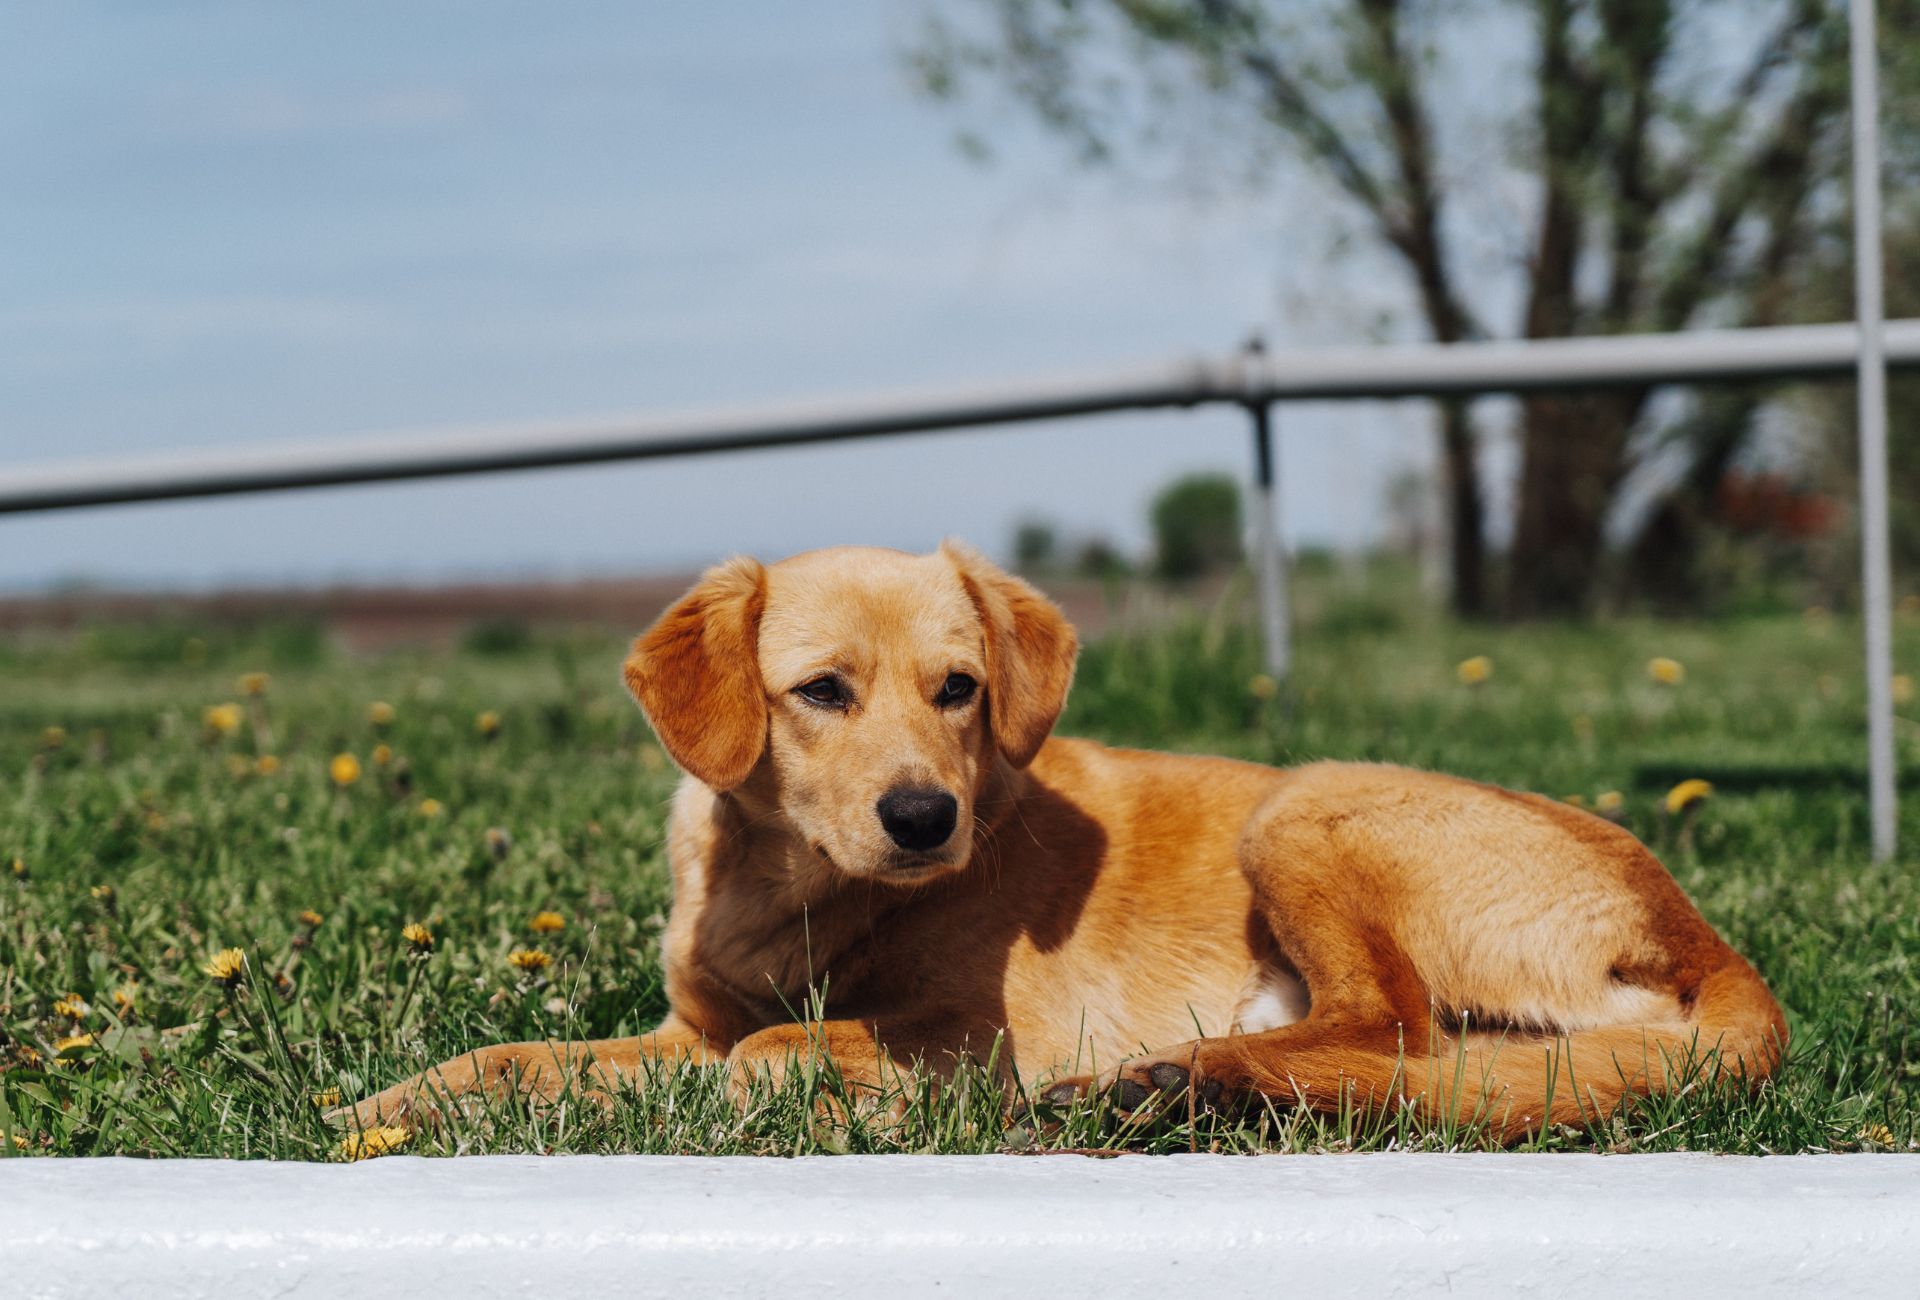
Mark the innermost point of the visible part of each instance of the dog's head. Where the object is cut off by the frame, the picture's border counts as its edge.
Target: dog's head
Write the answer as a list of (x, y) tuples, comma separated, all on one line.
[(863, 695)]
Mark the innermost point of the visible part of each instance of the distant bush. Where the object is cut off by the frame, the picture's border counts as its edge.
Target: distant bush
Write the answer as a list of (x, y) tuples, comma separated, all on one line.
[(1196, 527), (498, 636)]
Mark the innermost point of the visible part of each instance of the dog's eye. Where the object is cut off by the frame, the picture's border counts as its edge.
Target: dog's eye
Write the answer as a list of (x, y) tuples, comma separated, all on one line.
[(957, 689), (823, 690)]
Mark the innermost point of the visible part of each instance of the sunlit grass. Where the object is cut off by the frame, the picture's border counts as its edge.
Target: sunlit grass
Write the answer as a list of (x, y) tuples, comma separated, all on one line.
[(213, 929)]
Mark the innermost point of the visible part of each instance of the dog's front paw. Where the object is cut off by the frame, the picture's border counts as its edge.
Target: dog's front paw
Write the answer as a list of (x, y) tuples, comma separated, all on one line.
[(1165, 1082)]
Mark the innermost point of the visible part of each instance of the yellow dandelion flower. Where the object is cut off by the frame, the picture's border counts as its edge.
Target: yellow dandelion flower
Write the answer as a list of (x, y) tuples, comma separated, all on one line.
[(499, 842), (1902, 688), (344, 769), (1474, 671), (326, 1098), (1687, 794), (311, 919), (266, 765), (1263, 687), (20, 1143), (1608, 801), (103, 894), (382, 755), (225, 967), (1878, 1135), (372, 1142), (20, 871), (529, 959), (53, 737), (430, 808), (222, 719), (380, 713), (418, 937), (487, 724), (124, 996), (1668, 672), (72, 1007), (72, 1044), (254, 684), (547, 922)]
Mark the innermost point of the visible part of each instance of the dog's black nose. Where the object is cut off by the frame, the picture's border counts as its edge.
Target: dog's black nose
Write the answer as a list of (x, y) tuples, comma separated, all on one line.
[(918, 819)]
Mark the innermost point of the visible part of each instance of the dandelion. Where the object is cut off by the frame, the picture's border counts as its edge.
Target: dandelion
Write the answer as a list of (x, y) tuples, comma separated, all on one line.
[(430, 808), (1474, 671), (1687, 794), (1902, 688), (326, 1098), (123, 998), (382, 755), (530, 960), (71, 1007), (53, 738), (487, 724), (344, 769), (1668, 672), (226, 967), (368, 1143), (1877, 1135), (311, 919), (266, 765), (1263, 687), (499, 842), (254, 684), (547, 922), (418, 938), (20, 1143), (72, 1044), (20, 871), (1608, 801), (104, 895), (380, 713), (221, 720)]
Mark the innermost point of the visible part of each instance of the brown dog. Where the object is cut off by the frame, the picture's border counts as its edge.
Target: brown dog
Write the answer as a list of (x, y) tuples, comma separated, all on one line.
[(873, 807)]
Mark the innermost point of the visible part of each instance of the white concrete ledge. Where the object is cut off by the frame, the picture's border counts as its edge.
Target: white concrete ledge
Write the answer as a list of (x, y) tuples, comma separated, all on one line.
[(1315, 1226)]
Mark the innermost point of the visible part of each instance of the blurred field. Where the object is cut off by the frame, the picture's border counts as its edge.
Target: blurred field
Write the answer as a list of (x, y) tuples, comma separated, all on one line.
[(147, 833)]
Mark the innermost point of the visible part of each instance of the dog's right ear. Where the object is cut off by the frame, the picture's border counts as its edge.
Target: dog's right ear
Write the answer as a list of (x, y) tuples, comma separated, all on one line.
[(696, 673)]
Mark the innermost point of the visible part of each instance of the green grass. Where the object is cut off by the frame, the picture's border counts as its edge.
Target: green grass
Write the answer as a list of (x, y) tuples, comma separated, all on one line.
[(148, 844)]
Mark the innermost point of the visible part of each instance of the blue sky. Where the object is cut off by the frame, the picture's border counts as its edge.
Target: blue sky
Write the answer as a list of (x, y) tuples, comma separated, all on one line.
[(231, 223)]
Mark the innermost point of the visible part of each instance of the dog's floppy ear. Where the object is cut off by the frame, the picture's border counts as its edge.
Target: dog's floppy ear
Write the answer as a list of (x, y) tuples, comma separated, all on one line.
[(1030, 653), (696, 672)]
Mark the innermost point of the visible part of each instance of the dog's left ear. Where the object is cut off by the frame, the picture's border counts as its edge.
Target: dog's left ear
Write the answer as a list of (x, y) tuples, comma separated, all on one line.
[(1030, 652), (696, 672)]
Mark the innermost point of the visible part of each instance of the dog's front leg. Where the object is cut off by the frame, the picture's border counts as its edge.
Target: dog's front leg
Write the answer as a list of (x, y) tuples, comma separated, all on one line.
[(597, 1069), (854, 1061)]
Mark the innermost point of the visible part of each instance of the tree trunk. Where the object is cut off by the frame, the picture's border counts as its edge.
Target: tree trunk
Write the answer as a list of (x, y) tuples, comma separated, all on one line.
[(1571, 460), (1466, 512)]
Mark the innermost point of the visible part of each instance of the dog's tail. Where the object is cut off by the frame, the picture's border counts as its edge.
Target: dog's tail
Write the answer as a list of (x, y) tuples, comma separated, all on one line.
[(1517, 1084)]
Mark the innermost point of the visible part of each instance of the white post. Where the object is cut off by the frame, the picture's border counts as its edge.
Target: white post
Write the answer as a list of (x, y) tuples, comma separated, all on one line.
[(1869, 313), (1271, 562)]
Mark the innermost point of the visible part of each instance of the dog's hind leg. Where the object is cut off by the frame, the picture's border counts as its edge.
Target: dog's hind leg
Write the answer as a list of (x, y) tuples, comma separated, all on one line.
[(1473, 953)]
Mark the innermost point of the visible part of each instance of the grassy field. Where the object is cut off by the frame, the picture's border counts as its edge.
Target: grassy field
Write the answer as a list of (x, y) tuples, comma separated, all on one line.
[(155, 813)]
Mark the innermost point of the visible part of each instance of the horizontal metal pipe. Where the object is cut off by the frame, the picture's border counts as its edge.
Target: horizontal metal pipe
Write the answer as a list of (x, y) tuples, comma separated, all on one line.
[(1348, 373)]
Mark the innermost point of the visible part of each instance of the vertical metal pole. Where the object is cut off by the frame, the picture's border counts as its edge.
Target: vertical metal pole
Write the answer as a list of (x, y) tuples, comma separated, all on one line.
[(1271, 561), (1869, 314)]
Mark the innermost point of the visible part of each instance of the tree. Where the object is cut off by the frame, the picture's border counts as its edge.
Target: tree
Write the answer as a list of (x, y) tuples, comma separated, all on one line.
[(1196, 527), (1675, 150), (1036, 547)]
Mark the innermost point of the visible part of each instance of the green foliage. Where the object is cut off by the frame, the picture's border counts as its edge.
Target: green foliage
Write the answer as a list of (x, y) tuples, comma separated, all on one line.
[(201, 849), (1196, 527)]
